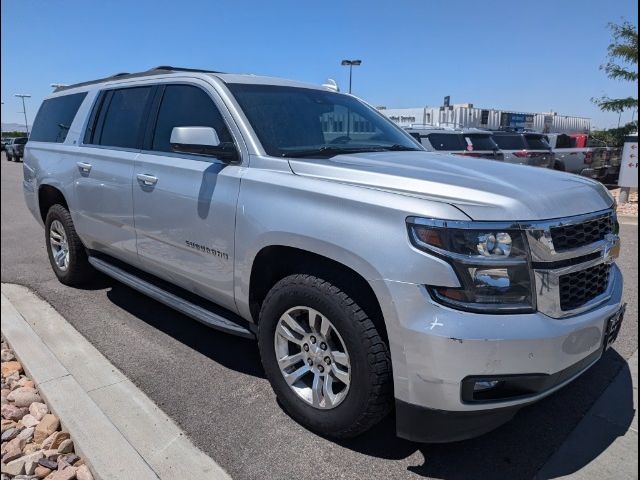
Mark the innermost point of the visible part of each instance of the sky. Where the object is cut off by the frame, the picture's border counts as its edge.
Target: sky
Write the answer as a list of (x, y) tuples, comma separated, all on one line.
[(528, 56)]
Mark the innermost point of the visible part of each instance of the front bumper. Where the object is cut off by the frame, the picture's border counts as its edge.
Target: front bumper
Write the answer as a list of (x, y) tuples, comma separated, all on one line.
[(435, 349)]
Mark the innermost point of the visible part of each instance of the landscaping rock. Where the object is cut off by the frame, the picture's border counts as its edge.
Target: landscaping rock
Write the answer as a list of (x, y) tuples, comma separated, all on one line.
[(24, 396), (8, 368), (30, 448), (29, 420), (54, 440), (15, 467), (11, 412), (10, 434), (68, 473), (83, 473), (31, 463), (27, 434), (47, 463), (66, 446), (42, 472), (7, 355), (46, 427), (38, 410), (7, 424), (13, 450)]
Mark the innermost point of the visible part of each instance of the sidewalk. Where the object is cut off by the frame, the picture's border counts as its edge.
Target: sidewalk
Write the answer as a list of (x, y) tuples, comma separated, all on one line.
[(609, 427), (115, 426)]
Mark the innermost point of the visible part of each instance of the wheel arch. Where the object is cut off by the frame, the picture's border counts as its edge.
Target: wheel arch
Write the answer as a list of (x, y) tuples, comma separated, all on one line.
[(49, 195), (275, 262)]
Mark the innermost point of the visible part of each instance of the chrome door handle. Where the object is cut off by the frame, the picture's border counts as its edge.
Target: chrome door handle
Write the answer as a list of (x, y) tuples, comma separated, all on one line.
[(147, 180), (84, 167)]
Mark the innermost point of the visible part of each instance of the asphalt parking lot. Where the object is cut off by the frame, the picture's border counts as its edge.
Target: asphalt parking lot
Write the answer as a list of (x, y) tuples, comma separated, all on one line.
[(213, 386)]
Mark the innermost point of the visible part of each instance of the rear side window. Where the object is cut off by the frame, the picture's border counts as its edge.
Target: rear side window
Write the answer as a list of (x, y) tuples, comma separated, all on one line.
[(20, 141), (482, 142), (510, 142), (186, 106), (54, 118), (120, 120), (447, 141), (537, 142)]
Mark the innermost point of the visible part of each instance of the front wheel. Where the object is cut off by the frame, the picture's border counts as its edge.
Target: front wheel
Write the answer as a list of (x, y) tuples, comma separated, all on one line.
[(325, 359)]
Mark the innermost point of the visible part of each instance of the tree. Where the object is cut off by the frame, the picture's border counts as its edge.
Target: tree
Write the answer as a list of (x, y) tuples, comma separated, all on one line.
[(622, 58)]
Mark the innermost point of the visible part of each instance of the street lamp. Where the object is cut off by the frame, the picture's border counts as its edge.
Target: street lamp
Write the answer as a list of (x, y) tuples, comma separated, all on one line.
[(24, 108), (350, 64)]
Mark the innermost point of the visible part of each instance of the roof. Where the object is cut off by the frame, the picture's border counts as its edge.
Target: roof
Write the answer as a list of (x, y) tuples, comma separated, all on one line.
[(165, 69)]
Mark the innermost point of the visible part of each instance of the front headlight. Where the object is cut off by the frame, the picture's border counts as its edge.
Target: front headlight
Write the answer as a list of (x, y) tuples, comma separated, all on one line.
[(491, 261)]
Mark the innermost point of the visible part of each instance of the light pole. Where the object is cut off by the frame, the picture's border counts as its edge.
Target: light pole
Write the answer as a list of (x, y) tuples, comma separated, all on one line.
[(350, 64), (24, 108)]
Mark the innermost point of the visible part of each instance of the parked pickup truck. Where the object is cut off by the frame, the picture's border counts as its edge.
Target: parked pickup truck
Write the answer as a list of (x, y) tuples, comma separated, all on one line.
[(569, 157), (15, 148), (372, 273)]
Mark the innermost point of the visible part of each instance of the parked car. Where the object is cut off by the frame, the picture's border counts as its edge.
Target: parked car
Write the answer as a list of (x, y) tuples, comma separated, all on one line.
[(468, 142), (4, 143), (15, 148), (525, 148), (571, 158), (371, 272)]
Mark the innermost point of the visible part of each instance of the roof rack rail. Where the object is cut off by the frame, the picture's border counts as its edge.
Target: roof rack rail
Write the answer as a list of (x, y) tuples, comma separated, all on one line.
[(146, 73)]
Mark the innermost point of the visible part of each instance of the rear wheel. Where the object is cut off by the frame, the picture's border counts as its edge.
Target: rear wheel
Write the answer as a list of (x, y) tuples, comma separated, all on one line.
[(326, 361), (67, 254)]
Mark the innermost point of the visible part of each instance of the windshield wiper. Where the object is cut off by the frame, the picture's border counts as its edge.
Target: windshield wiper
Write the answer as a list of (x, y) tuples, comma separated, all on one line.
[(397, 148), (329, 151)]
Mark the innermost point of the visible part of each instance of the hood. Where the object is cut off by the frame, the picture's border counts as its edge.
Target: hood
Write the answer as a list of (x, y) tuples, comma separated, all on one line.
[(483, 189)]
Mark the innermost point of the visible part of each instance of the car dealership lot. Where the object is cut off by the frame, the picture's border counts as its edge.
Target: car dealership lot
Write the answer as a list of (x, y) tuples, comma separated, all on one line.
[(213, 385)]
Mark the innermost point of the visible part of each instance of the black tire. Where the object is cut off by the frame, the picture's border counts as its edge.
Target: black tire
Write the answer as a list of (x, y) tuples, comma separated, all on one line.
[(9, 158), (369, 397), (78, 270)]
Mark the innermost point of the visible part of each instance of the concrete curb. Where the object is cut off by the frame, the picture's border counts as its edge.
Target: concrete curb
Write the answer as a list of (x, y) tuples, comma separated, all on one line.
[(628, 219), (118, 430), (605, 442)]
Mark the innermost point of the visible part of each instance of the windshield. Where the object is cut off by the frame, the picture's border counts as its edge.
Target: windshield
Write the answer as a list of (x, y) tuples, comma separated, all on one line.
[(293, 121)]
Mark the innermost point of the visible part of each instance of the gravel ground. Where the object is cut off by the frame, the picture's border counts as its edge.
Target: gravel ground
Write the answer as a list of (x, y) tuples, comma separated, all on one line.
[(631, 207), (33, 443), (213, 386)]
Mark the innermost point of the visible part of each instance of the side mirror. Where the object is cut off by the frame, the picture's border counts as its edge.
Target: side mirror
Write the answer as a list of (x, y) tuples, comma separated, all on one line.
[(201, 141)]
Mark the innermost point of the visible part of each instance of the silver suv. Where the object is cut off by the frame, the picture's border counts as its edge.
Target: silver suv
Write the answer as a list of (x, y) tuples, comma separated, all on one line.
[(371, 272)]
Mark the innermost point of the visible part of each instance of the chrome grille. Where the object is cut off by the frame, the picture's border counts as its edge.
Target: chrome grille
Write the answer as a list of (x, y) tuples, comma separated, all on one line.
[(579, 288), (568, 237)]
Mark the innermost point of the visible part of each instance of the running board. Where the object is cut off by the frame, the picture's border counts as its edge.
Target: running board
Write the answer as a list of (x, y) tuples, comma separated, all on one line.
[(171, 300)]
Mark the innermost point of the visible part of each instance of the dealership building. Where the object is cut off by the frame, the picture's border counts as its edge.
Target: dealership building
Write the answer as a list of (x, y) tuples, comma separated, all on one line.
[(465, 115)]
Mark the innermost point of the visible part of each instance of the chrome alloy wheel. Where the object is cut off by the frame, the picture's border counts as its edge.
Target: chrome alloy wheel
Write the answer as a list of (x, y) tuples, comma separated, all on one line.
[(59, 245), (312, 357)]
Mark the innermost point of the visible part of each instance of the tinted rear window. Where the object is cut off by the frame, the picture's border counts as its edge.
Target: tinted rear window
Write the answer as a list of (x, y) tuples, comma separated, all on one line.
[(122, 120), (537, 142), (20, 141), (447, 141), (482, 142), (54, 118), (510, 142), (565, 141)]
